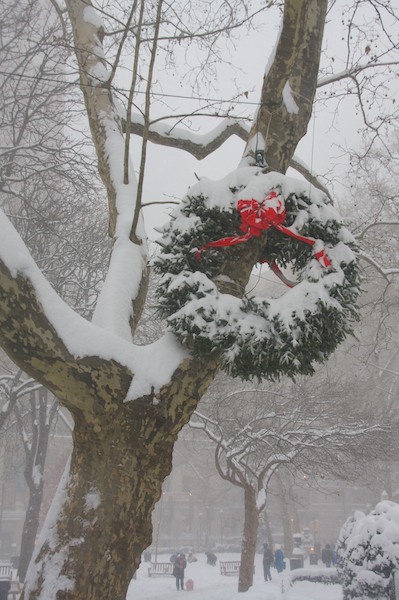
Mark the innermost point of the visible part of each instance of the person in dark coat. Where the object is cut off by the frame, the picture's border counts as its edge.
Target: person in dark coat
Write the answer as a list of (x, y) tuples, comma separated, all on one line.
[(210, 558), (178, 570), (267, 562), (147, 556), (279, 560), (327, 555)]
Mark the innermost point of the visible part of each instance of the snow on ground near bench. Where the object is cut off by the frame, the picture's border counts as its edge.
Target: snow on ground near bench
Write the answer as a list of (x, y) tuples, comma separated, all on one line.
[(210, 585)]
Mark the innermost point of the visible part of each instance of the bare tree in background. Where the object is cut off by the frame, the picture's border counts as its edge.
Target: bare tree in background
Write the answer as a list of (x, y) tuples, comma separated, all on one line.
[(29, 409), (375, 222), (34, 421), (303, 429)]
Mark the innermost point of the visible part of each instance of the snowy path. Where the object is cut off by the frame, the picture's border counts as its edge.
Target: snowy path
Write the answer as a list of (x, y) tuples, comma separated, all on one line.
[(210, 585)]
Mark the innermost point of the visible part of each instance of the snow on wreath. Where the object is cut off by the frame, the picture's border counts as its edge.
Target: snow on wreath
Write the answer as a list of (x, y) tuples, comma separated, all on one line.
[(258, 337)]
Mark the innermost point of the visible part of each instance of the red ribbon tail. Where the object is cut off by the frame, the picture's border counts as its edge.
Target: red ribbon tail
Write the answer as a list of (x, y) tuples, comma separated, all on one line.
[(301, 238), (278, 272), (321, 255), (223, 243)]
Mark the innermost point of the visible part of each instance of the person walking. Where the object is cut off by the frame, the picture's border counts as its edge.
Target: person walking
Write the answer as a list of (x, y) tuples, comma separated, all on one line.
[(267, 562), (327, 555), (178, 570), (279, 560)]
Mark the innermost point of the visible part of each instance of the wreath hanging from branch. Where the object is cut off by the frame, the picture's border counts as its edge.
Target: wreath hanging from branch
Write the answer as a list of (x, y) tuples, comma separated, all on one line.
[(258, 337)]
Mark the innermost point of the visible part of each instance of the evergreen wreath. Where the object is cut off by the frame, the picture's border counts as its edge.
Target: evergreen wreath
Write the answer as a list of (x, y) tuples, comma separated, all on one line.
[(258, 337)]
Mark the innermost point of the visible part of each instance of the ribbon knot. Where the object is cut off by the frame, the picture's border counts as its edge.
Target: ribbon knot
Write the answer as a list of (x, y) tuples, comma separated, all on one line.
[(260, 216)]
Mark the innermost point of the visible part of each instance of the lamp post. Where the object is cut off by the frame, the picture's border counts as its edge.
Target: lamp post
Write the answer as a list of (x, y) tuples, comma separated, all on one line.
[(200, 523), (158, 527), (221, 525)]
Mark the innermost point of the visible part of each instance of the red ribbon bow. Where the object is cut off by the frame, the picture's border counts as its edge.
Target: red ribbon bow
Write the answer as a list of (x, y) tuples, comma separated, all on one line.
[(260, 216)]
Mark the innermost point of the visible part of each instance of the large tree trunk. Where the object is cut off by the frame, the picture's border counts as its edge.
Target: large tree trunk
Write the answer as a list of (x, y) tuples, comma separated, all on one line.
[(113, 483), (248, 547), (92, 546)]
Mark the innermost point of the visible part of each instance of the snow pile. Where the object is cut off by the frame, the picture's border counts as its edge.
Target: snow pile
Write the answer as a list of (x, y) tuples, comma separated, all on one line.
[(368, 552), (209, 584)]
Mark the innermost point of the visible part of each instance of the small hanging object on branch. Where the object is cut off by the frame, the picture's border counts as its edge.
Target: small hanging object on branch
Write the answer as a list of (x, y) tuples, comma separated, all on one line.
[(259, 337)]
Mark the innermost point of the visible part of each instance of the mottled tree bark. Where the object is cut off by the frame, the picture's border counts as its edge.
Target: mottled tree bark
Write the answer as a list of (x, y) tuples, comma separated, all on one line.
[(120, 458), (277, 127), (117, 468)]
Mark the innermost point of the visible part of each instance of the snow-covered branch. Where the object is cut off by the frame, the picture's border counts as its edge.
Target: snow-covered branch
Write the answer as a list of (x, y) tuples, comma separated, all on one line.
[(384, 272), (297, 164), (199, 145), (351, 72), (31, 309), (361, 235)]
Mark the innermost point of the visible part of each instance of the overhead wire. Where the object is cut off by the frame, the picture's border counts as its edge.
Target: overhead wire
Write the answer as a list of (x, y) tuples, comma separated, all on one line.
[(122, 90)]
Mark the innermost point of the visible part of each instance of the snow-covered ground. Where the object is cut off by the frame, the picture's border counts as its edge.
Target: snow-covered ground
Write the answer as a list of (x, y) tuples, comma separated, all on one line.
[(210, 585)]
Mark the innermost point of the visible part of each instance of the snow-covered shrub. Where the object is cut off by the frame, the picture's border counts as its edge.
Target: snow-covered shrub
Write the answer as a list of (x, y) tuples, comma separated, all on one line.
[(368, 552), (345, 575), (326, 576)]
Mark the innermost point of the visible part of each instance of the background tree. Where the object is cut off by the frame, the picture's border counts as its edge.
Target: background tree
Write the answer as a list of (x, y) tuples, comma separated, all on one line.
[(27, 408), (34, 423), (375, 223), (13, 387), (47, 168), (314, 433)]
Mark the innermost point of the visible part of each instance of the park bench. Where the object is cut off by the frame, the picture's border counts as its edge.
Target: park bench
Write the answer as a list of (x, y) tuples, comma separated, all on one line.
[(229, 567), (160, 569), (5, 571), (9, 582)]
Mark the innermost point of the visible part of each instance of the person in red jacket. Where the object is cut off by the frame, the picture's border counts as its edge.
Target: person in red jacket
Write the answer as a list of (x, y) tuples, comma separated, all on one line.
[(178, 570)]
